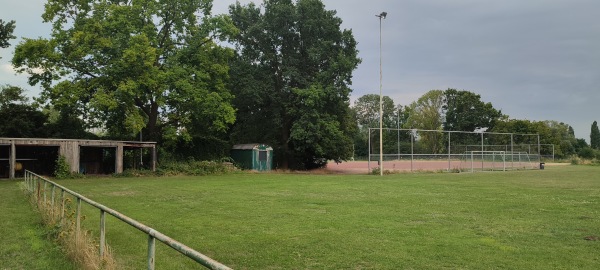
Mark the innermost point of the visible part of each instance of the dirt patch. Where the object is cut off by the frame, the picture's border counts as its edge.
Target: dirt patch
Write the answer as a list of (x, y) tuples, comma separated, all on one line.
[(557, 164), (592, 238), (362, 167), (122, 193)]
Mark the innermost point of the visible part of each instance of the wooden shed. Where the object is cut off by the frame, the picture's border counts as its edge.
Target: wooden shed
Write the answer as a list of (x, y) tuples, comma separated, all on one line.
[(253, 156), (83, 156)]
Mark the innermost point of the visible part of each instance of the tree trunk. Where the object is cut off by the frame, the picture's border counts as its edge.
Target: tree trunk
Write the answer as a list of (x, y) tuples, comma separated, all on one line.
[(152, 129)]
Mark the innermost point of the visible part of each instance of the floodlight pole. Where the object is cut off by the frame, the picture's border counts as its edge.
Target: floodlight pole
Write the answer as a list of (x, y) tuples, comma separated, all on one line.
[(398, 131), (382, 15)]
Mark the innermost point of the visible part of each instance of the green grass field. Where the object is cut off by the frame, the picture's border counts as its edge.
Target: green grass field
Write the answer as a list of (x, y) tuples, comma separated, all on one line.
[(24, 242), (513, 220)]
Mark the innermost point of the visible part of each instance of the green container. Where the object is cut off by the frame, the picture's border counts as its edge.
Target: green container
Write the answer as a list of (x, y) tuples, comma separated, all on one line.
[(253, 156)]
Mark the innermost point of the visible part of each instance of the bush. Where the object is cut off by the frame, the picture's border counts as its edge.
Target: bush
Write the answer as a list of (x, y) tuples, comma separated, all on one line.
[(192, 167), (575, 160), (63, 170), (586, 153), (189, 167)]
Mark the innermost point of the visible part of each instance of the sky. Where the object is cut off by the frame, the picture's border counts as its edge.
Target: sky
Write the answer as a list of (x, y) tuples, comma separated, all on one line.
[(536, 59)]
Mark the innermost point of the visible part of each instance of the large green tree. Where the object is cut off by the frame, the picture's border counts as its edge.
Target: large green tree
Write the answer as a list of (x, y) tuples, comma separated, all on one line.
[(595, 136), (550, 132), (427, 114), (128, 66), (366, 109), (464, 111), (6, 33), (19, 118), (291, 80)]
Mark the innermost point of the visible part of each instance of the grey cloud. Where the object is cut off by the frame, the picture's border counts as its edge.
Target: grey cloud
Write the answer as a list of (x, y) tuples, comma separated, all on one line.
[(535, 59)]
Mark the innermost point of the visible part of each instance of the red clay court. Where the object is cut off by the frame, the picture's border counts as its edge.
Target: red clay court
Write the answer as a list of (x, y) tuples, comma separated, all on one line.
[(362, 167)]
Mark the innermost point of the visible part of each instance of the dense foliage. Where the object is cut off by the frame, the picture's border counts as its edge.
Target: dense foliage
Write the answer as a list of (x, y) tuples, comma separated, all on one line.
[(454, 110), (551, 132), (158, 69), (20, 118), (366, 109), (291, 78), (134, 66), (464, 111), (595, 136), (6, 33)]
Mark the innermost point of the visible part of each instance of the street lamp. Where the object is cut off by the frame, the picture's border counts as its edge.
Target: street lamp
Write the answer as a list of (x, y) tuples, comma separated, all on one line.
[(382, 15)]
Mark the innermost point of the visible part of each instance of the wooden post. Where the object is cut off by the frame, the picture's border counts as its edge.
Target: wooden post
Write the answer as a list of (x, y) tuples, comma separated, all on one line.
[(153, 158), (151, 252), (78, 219), (102, 233), (119, 159), (12, 160)]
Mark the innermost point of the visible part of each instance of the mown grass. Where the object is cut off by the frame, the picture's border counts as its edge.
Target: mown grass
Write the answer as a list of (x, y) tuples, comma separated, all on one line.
[(25, 241), (515, 220)]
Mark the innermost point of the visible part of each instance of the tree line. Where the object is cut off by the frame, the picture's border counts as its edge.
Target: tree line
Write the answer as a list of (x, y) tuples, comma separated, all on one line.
[(460, 110), (198, 83)]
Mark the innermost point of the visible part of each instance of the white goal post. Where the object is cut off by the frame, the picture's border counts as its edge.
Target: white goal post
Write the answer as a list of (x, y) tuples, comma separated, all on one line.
[(485, 160), (453, 150), (496, 161)]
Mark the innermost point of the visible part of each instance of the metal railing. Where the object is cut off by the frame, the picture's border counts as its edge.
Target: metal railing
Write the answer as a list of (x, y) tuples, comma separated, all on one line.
[(39, 186)]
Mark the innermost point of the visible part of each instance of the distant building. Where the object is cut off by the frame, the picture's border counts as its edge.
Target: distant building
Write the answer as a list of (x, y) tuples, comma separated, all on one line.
[(83, 156)]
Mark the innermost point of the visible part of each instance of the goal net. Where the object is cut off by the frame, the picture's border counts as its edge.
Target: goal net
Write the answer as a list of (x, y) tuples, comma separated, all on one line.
[(438, 150), (495, 161)]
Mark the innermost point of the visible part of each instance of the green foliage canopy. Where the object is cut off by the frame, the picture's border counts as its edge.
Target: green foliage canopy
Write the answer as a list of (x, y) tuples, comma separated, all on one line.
[(464, 111), (6, 33), (366, 109), (290, 79), (551, 132), (427, 113), (18, 118), (595, 136), (128, 66)]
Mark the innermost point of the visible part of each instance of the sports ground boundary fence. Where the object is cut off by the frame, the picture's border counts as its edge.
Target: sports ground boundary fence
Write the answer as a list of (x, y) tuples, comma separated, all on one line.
[(417, 149), (41, 188)]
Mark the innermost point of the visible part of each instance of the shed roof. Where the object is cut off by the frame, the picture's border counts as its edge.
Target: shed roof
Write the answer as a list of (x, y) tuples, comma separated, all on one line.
[(81, 142), (248, 146)]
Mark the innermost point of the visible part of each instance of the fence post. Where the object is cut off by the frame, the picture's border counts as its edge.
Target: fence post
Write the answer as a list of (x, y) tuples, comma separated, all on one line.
[(471, 161), (52, 198), (29, 182), (45, 192), (102, 233), (412, 148), (62, 206), (369, 155), (151, 251), (78, 219), (39, 187), (449, 149)]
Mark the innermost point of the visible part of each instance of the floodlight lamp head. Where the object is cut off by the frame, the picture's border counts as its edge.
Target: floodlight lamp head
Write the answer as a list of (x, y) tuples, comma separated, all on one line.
[(382, 15)]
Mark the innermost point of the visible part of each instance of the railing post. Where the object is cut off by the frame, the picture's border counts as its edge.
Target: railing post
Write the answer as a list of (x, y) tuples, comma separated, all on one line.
[(78, 218), (151, 251), (28, 179), (45, 192), (39, 187), (102, 233), (52, 198), (62, 206)]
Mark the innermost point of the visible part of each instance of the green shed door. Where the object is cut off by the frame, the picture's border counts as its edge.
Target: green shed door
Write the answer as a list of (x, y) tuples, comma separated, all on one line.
[(262, 160)]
